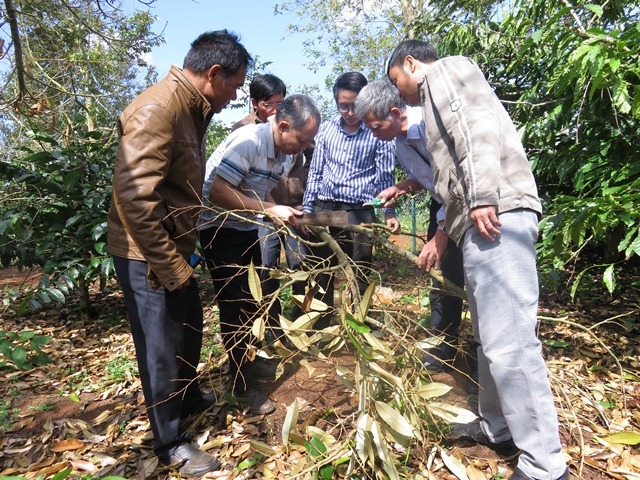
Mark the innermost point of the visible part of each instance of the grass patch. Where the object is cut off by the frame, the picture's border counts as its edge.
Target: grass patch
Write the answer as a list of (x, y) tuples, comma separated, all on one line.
[(7, 415), (121, 369)]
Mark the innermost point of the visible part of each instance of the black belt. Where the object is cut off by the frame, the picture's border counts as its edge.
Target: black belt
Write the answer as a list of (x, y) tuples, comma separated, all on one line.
[(329, 205)]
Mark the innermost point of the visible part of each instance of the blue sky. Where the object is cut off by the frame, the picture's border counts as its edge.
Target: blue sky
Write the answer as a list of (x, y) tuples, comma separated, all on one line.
[(262, 32)]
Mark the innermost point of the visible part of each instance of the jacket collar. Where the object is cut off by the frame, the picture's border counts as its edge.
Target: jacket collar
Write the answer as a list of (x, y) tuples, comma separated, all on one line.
[(197, 101)]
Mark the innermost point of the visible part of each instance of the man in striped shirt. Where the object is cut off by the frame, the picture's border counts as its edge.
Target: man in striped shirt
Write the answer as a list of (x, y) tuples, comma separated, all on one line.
[(349, 167), (239, 175)]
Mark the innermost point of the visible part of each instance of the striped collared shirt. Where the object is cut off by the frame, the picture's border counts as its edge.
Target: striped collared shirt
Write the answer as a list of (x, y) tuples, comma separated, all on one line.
[(350, 168), (247, 160)]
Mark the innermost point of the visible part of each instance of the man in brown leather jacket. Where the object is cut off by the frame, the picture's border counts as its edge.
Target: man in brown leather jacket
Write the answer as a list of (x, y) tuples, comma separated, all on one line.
[(158, 177)]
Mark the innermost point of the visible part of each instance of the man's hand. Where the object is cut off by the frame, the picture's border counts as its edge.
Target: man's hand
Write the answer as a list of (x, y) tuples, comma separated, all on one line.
[(188, 282), (433, 251), (486, 220), (283, 215), (389, 196), (393, 224)]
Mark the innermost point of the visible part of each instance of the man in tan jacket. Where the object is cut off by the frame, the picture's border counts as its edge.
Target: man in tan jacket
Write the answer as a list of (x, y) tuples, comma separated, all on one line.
[(482, 175), (158, 177)]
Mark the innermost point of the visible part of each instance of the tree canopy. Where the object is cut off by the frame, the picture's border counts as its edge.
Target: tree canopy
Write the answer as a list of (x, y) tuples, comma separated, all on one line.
[(569, 74)]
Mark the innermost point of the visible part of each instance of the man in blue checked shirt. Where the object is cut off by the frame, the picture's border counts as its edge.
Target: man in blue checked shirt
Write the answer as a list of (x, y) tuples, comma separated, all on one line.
[(349, 167), (383, 110)]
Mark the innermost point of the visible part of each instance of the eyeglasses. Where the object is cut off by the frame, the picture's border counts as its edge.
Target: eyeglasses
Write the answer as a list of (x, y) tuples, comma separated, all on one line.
[(346, 108), (271, 105)]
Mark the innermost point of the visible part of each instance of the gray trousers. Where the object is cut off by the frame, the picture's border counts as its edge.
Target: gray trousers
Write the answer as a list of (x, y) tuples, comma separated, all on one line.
[(515, 398)]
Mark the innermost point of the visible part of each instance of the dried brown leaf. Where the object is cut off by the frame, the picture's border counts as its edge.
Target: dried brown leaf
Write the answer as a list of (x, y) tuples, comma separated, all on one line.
[(68, 444)]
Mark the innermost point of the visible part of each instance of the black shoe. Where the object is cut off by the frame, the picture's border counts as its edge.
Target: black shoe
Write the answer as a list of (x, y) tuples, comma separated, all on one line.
[(205, 402), (191, 461), (472, 432), (258, 402), (260, 369), (519, 475), (440, 358)]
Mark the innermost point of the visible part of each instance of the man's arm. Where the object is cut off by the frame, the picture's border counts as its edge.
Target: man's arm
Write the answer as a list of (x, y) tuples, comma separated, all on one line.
[(314, 177), (144, 158), (229, 197)]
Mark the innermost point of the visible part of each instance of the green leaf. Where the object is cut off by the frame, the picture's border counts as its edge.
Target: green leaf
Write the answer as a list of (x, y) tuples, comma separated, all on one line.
[(250, 462), (597, 9), (357, 326), (326, 472), (624, 438), (609, 278), (62, 474), (19, 357), (316, 447), (74, 397), (55, 294)]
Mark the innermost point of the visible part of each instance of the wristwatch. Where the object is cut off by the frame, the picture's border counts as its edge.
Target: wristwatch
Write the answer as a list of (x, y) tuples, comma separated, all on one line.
[(442, 228)]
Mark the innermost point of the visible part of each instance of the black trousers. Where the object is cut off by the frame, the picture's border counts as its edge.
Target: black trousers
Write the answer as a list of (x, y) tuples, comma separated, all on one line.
[(446, 310), (228, 253), (358, 247), (167, 333)]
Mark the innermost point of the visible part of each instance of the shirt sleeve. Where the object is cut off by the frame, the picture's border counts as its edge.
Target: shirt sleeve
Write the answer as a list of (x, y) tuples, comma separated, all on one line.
[(314, 178), (385, 169)]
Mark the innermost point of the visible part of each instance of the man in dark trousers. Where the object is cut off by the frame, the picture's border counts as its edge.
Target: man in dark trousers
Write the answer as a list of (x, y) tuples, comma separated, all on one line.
[(240, 173), (267, 93), (158, 177)]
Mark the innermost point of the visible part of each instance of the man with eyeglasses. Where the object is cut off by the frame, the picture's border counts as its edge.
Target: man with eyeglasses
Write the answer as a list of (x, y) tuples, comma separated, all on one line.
[(349, 167), (239, 175), (267, 92)]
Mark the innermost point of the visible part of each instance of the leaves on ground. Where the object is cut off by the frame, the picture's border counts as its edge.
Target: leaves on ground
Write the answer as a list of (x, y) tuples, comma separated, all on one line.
[(85, 410)]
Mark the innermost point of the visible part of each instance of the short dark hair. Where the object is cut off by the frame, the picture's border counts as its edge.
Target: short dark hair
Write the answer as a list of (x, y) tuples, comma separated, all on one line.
[(418, 49), (352, 81), (217, 48), (297, 109), (265, 86)]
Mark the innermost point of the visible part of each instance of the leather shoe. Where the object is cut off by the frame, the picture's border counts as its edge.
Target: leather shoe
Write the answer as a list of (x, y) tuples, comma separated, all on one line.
[(519, 475), (258, 401), (205, 402), (260, 369), (472, 433), (191, 461)]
